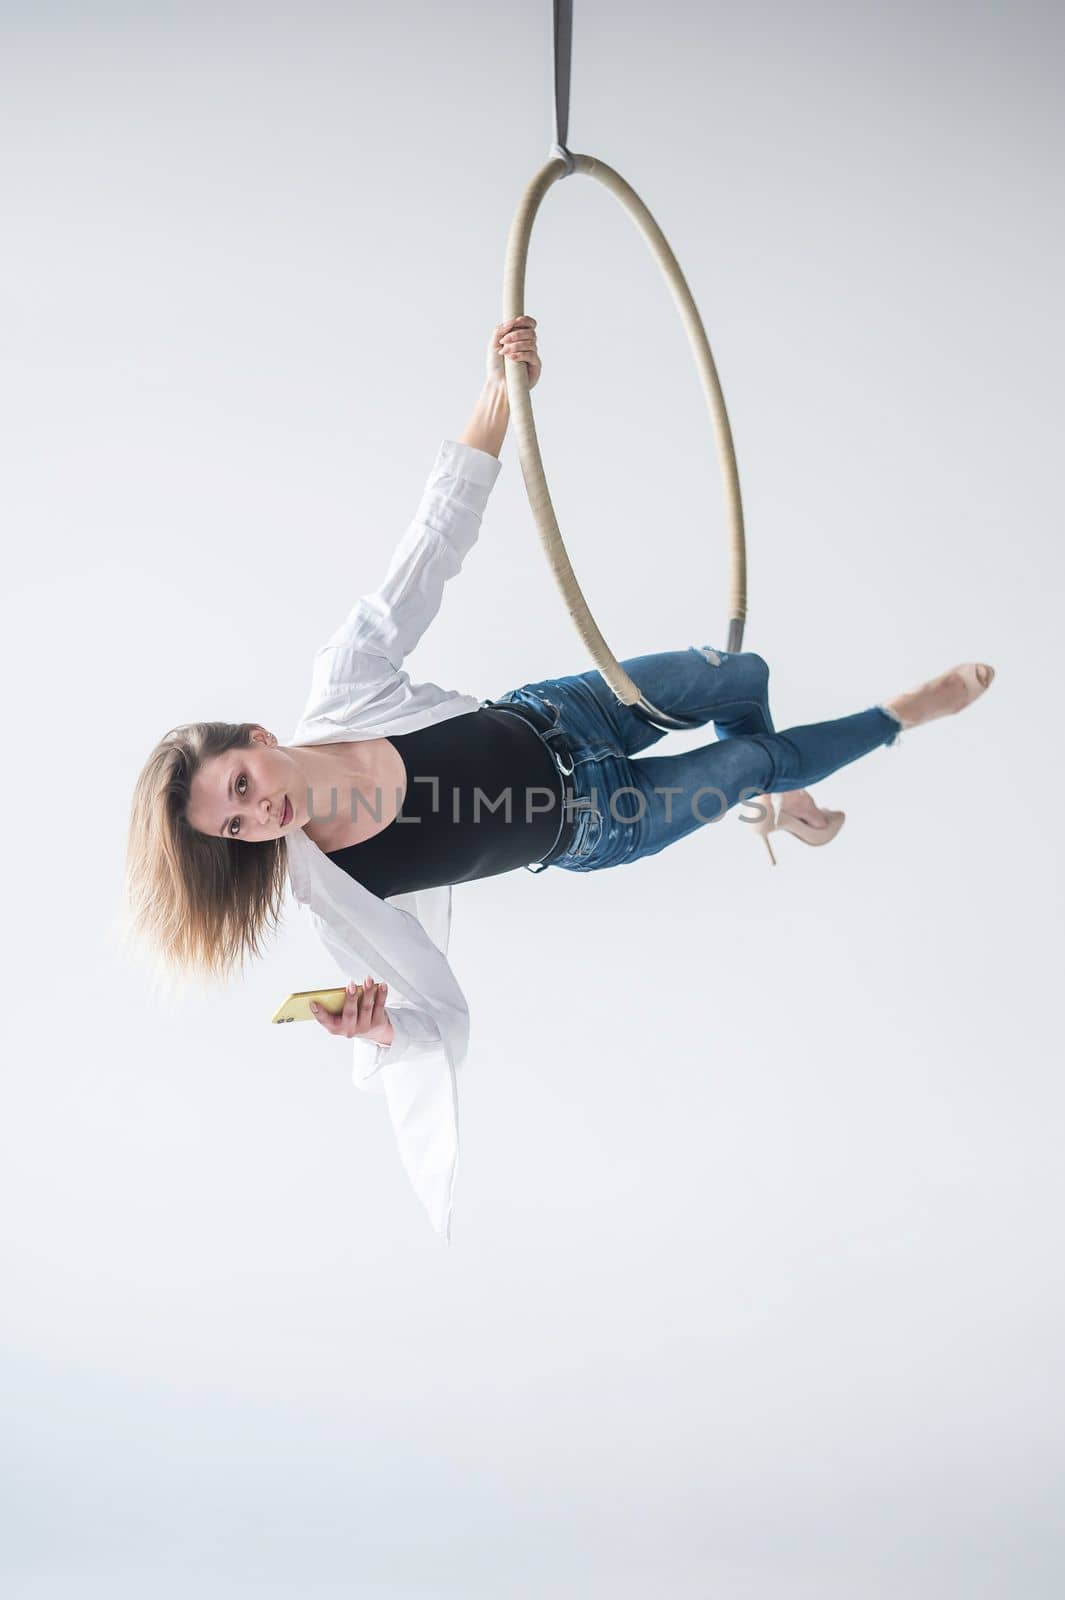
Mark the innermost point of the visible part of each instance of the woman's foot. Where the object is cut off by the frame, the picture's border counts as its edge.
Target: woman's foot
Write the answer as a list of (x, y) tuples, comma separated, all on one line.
[(801, 803), (802, 817), (943, 696)]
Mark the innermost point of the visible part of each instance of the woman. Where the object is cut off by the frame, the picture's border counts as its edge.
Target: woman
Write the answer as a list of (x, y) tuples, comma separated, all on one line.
[(389, 792)]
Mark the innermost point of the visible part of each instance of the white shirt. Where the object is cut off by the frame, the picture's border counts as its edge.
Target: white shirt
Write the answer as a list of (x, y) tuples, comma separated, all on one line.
[(359, 691)]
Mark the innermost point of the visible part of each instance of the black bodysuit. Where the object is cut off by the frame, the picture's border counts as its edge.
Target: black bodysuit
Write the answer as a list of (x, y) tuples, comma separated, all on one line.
[(447, 832)]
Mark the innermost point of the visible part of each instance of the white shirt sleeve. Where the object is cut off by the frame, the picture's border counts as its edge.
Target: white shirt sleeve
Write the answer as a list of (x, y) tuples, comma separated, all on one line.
[(411, 1029), (388, 622), (421, 1094), (417, 1075)]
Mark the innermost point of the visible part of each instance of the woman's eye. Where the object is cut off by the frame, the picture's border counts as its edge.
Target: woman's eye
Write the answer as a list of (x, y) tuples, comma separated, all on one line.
[(235, 827)]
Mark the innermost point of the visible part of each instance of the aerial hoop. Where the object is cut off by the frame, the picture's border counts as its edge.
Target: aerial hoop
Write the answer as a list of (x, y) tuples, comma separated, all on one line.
[(564, 164)]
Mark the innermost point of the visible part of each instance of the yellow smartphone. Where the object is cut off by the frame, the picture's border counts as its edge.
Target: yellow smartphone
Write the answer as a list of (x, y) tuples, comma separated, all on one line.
[(297, 1007)]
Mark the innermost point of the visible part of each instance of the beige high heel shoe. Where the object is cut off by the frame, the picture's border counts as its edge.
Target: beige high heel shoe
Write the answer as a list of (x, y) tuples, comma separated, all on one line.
[(918, 706), (776, 818)]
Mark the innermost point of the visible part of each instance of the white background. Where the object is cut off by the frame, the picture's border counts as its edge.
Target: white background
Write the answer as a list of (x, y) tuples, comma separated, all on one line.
[(756, 1284)]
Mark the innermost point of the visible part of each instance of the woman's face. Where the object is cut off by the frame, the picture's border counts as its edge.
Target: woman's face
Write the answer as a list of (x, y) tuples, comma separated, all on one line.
[(242, 794)]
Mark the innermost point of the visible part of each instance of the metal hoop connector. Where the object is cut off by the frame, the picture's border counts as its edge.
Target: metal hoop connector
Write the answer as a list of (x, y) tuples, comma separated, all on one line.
[(560, 153)]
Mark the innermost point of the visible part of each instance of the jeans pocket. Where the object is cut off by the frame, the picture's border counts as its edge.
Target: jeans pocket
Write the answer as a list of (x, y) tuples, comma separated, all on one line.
[(589, 832)]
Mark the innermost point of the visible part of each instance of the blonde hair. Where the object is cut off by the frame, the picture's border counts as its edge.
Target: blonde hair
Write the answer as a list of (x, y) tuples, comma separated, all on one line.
[(197, 905)]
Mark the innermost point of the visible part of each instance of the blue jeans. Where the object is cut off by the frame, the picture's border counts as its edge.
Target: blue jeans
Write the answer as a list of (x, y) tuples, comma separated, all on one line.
[(629, 809)]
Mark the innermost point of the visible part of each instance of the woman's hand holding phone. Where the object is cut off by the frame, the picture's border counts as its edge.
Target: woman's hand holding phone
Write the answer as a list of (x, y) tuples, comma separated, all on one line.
[(363, 1017)]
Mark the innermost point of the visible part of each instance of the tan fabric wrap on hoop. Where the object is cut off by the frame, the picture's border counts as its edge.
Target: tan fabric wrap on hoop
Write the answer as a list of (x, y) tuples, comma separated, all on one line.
[(532, 468)]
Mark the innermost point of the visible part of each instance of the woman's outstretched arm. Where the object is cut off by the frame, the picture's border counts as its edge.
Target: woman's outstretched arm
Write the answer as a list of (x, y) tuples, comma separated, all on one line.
[(487, 426), (384, 625)]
